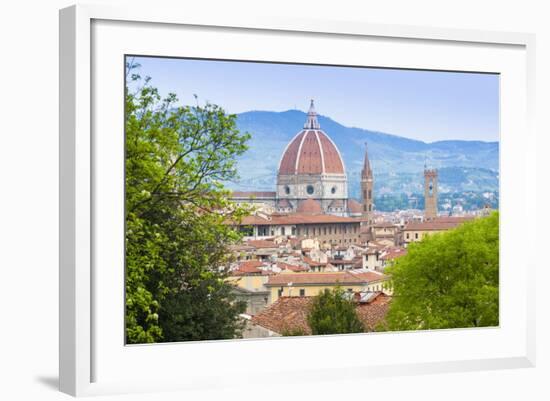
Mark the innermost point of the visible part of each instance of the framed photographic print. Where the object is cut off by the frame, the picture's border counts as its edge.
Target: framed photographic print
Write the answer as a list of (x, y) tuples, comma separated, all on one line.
[(291, 189)]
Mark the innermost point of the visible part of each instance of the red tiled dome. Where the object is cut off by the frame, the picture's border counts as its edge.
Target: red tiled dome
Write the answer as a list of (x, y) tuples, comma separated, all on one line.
[(309, 206), (311, 151)]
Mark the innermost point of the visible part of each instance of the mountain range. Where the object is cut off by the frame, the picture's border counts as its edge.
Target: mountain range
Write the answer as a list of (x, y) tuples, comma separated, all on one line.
[(397, 162)]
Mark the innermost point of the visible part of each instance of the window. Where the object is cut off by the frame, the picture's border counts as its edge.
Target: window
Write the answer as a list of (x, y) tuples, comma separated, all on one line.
[(310, 189), (280, 292), (415, 235), (408, 236), (324, 231), (287, 190), (333, 190), (370, 193), (302, 292), (282, 231), (293, 230), (330, 230), (247, 230), (263, 231)]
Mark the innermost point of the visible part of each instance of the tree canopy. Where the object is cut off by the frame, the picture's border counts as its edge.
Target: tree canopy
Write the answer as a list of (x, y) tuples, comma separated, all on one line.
[(448, 280), (332, 313), (177, 158)]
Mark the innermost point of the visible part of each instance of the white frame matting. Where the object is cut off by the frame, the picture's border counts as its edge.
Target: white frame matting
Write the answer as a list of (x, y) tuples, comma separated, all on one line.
[(93, 358)]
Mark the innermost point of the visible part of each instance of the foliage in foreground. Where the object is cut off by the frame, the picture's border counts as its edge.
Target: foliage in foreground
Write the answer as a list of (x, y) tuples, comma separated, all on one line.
[(332, 313), (448, 280), (176, 207)]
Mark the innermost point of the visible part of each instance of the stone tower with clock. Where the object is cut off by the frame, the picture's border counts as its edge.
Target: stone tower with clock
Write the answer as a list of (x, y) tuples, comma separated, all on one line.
[(430, 193)]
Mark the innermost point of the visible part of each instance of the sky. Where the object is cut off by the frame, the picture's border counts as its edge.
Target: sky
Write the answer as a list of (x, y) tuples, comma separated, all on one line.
[(425, 105)]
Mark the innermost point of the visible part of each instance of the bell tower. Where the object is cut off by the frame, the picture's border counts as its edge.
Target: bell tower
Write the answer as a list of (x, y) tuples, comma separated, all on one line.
[(367, 183), (430, 193)]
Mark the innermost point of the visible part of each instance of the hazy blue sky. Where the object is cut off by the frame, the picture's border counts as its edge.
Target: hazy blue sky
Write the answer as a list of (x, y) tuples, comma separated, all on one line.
[(424, 105)]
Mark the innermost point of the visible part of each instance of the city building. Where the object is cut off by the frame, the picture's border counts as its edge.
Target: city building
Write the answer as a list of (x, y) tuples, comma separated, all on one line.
[(415, 231), (386, 233), (311, 284), (311, 177), (326, 228)]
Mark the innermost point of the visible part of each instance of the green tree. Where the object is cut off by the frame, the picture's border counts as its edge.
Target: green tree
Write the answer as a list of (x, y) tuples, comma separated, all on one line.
[(176, 210), (332, 313), (448, 280)]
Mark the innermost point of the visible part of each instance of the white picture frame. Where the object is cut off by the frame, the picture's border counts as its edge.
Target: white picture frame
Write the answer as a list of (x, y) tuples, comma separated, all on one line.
[(90, 359)]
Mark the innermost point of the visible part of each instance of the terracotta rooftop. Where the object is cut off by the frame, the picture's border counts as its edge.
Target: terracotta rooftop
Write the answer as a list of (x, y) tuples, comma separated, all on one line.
[(253, 194), (368, 276), (385, 224), (289, 314), (452, 219), (346, 277), (313, 263), (285, 314), (248, 267), (309, 206), (374, 312), (296, 218), (376, 245), (437, 224), (393, 253), (294, 268), (260, 243)]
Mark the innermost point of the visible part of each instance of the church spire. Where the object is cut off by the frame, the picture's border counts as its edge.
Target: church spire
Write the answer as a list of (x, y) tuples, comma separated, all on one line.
[(367, 186), (366, 172), (312, 122)]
